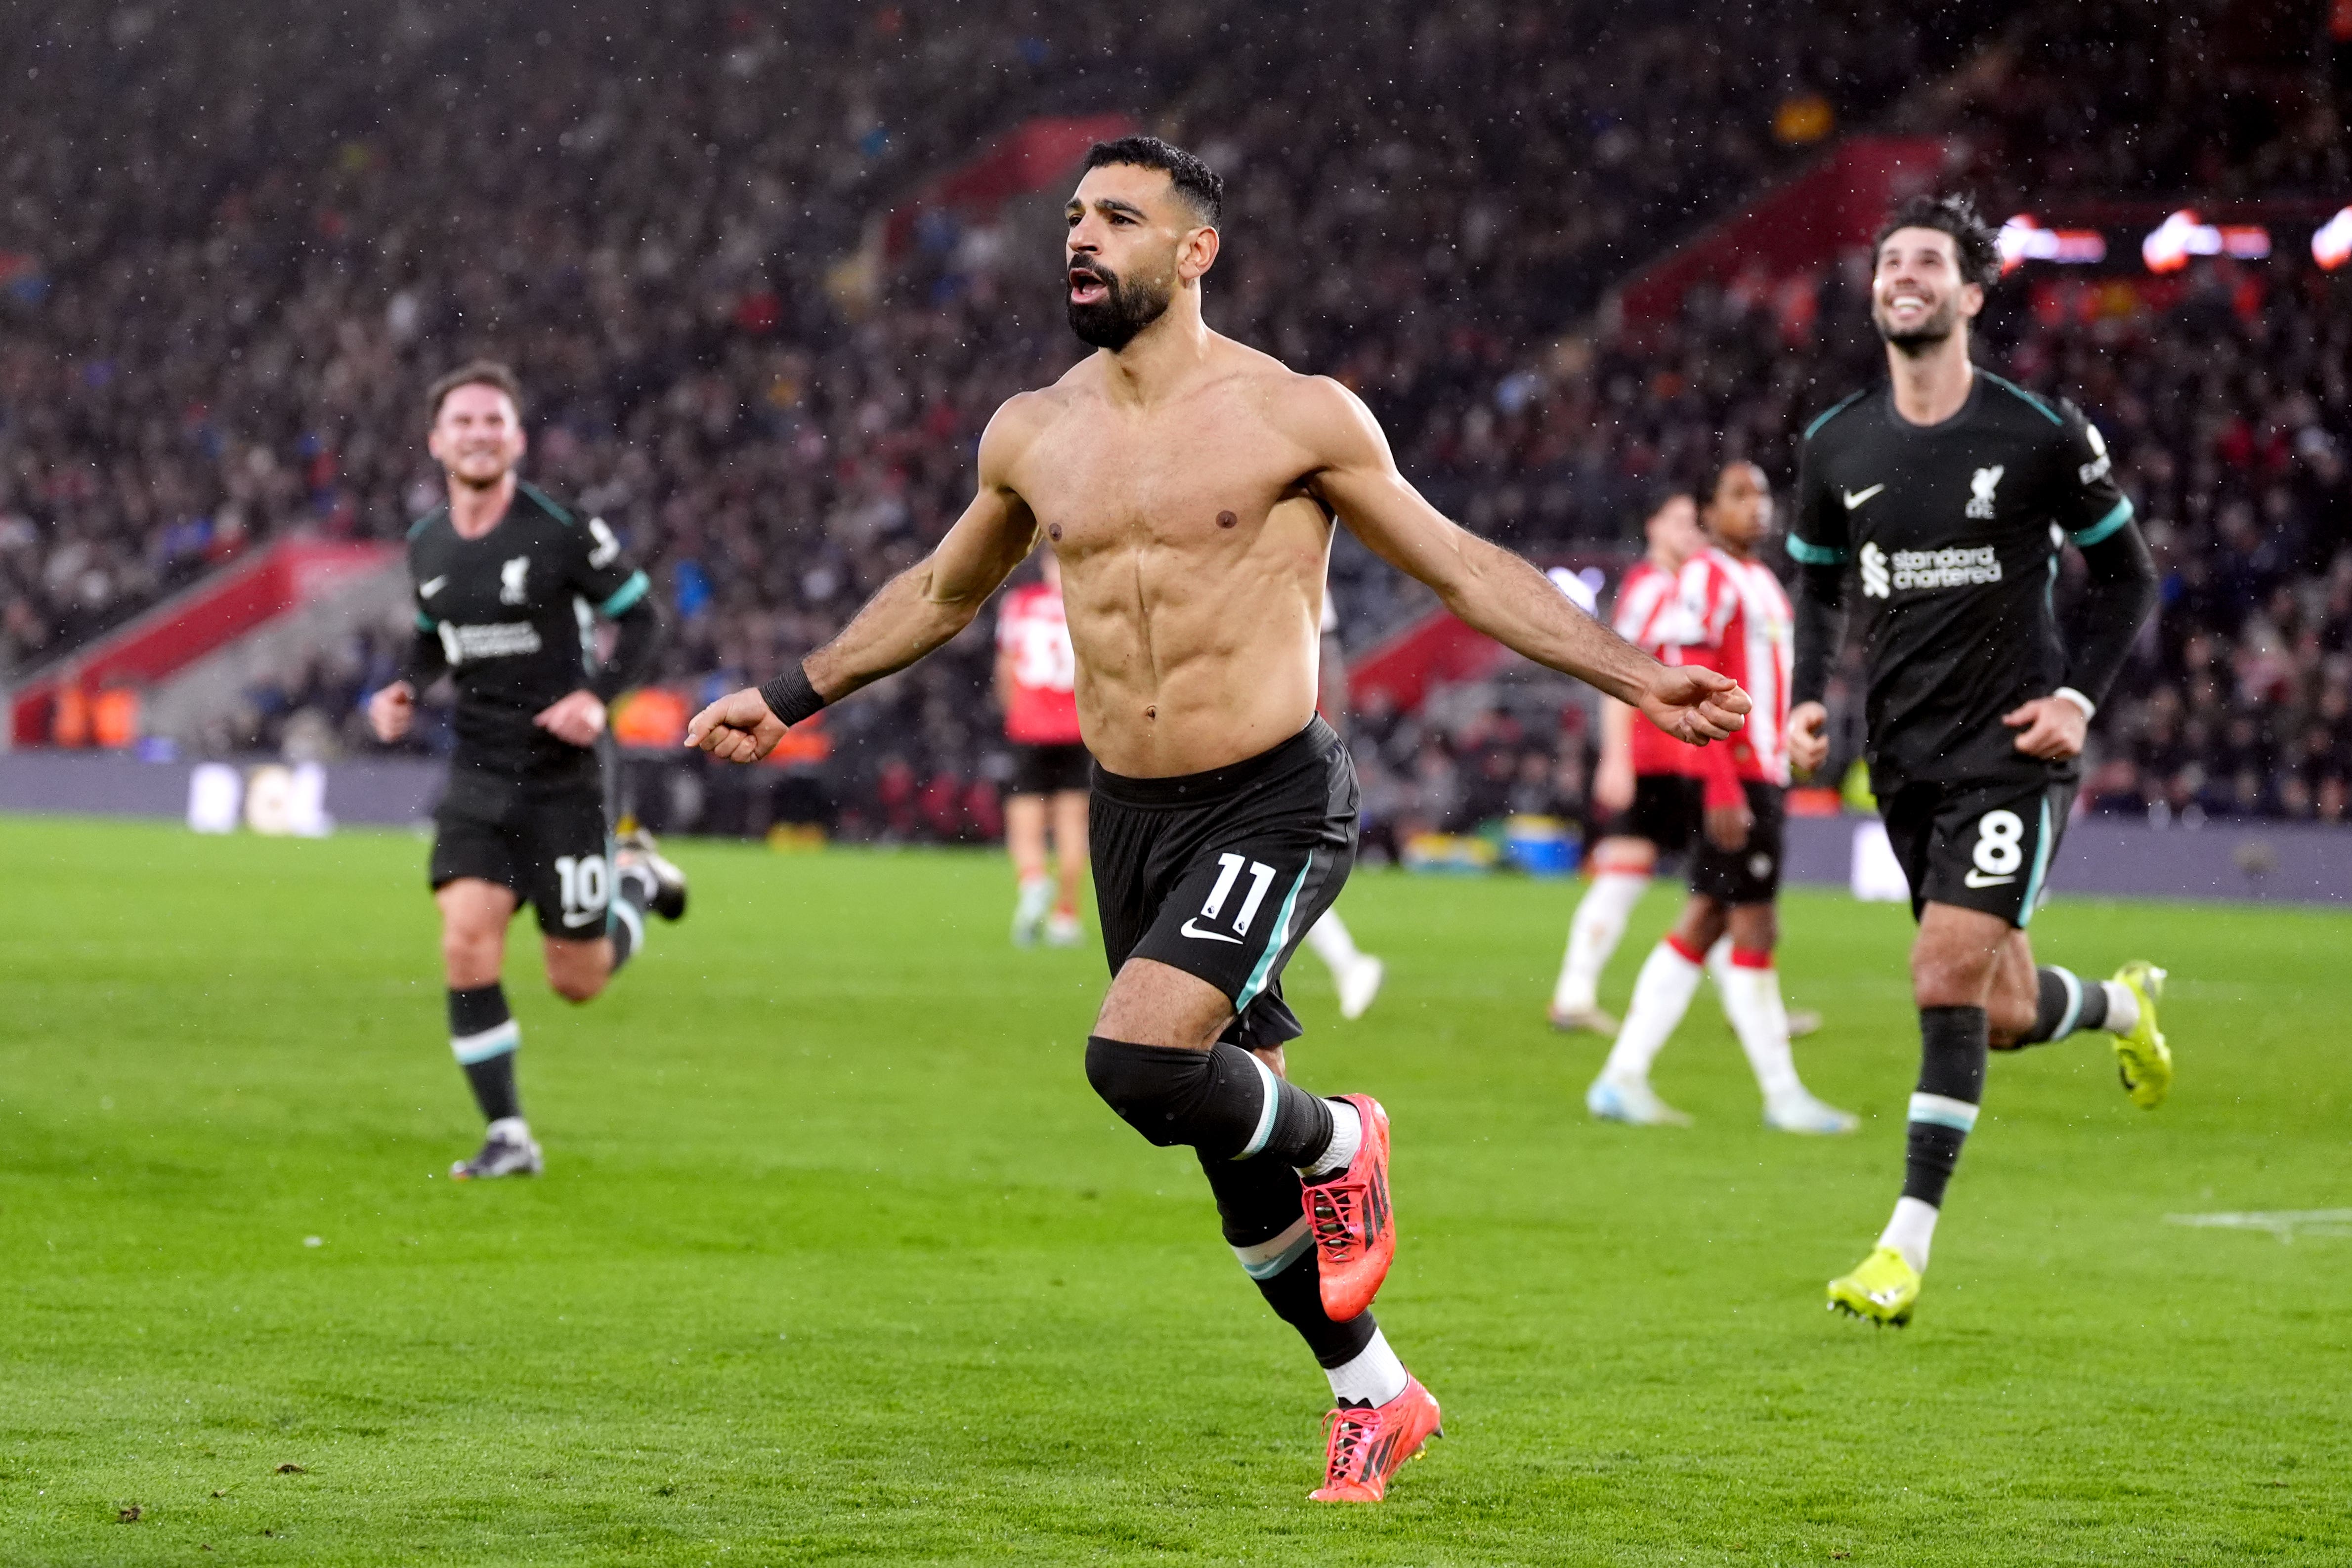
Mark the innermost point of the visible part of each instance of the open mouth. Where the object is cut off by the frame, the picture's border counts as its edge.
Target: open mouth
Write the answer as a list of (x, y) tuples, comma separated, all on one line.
[(1087, 286)]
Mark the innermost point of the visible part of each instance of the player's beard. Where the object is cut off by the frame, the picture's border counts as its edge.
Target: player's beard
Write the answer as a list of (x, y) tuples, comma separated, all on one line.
[(1940, 323), (1124, 309)]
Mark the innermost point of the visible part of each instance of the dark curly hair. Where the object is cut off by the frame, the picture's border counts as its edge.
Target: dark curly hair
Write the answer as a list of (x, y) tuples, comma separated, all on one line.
[(1195, 180), (1955, 214)]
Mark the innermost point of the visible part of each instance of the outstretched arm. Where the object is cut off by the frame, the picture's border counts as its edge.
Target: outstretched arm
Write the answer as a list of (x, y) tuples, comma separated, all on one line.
[(1487, 586), (915, 611)]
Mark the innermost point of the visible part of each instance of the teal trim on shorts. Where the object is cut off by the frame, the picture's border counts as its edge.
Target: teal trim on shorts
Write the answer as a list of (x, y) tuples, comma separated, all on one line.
[(1806, 553), (1279, 939), (2117, 515), (2041, 868), (625, 598)]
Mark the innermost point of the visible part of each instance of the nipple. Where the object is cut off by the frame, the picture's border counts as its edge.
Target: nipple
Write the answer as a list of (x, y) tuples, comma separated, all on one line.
[(1053, 532), (1226, 520)]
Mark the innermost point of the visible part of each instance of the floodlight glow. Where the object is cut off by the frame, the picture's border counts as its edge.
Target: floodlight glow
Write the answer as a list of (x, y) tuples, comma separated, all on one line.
[(2332, 246), (2023, 239), (2172, 243)]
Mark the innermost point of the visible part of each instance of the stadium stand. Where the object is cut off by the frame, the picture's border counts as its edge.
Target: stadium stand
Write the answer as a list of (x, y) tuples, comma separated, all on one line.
[(673, 227)]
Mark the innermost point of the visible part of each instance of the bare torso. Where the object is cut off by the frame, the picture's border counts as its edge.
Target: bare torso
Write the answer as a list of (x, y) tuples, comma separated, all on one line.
[(1192, 552)]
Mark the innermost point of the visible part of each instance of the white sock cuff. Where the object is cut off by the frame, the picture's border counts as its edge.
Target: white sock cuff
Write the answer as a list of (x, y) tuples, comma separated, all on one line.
[(469, 1049), (1347, 1137), (2123, 1008), (1372, 1376)]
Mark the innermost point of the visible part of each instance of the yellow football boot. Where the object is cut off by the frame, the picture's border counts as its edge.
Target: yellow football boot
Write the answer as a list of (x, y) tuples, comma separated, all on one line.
[(1881, 1291), (2142, 1059)]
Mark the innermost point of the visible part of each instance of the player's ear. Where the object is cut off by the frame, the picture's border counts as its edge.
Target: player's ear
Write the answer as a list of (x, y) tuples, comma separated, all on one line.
[(1972, 299), (1196, 253)]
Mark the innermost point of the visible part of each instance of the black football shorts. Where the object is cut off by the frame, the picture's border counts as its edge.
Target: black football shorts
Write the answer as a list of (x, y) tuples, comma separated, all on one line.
[(1750, 875), (1664, 811), (1221, 873), (1983, 844), (1050, 769), (548, 846)]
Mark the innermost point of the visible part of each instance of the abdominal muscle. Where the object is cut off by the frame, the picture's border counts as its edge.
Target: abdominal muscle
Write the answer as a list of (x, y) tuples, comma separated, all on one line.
[(1191, 657)]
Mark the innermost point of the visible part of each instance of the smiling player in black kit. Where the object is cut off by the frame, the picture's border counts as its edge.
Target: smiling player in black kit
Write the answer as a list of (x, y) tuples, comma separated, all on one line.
[(1944, 497), (508, 587)]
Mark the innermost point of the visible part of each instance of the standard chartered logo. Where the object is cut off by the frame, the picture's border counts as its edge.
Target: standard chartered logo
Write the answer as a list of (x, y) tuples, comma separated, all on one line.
[(1875, 583), (1883, 575)]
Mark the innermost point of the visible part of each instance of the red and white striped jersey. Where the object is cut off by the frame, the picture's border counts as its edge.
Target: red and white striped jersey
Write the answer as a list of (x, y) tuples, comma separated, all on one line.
[(1043, 709), (1737, 621), (1648, 616)]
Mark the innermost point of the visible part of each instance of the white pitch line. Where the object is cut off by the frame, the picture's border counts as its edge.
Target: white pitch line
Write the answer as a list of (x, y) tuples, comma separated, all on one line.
[(2283, 1223)]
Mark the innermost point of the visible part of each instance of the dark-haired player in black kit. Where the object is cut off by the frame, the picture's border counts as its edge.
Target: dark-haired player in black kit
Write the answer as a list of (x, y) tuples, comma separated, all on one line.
[(507, 587), (1944, 497)]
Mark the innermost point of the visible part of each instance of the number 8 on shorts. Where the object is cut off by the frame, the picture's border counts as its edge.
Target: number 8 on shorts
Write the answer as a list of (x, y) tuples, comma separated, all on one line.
[(1999, 843)]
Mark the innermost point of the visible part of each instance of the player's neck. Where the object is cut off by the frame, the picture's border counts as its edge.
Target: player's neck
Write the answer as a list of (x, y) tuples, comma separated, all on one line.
[(1164, 357), (475, 510), (1930, 388), (1741, 553)]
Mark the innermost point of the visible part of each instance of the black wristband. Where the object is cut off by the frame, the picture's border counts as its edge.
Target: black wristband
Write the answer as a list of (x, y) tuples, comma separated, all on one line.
[(791, 698)]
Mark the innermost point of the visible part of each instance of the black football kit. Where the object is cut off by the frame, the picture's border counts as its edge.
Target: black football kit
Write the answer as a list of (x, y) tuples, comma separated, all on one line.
[(511, 617), (1951, 534)]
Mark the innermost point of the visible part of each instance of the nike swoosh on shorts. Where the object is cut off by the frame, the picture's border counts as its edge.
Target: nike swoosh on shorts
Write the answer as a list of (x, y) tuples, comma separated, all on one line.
[(1208, 935), (1979, 879)]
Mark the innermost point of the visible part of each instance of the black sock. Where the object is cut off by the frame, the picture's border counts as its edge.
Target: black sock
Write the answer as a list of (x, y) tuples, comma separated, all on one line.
[(484, 1037), (2064, 1005), (625, 923), (1224, 1102), (1952, 1047), (1260, 1209)]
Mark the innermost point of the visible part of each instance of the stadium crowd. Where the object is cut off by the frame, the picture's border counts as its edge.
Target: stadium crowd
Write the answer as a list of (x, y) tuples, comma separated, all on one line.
[(668, 223)]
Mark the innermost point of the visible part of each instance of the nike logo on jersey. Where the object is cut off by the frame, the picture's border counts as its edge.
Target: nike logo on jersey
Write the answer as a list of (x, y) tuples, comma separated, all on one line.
[(1856, 497), (1208, 935), (1978, 879), (427, 589)]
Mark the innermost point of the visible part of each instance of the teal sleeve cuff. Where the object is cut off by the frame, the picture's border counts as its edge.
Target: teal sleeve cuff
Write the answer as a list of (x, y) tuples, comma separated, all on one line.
[(425, 623), (2105, 527), (625, 597), (1807, 554)]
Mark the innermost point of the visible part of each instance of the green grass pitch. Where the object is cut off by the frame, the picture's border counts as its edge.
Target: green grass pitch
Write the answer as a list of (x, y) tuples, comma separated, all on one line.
[(837, 1259)]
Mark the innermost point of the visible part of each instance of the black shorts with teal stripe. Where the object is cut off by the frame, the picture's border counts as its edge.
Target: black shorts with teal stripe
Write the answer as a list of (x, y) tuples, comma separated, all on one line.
[(1982, 844), (1221, 873)]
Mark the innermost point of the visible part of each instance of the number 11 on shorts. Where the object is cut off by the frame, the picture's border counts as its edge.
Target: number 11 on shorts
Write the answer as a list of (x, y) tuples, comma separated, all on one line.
[(1229, 871)]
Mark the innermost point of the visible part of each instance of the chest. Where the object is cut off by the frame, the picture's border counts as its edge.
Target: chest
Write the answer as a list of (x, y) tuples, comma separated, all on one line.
[(1954, 491), (491, 579), (1202, 475)]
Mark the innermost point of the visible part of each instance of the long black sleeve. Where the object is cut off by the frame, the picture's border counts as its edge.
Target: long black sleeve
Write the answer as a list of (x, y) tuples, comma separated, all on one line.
[(1820, 630), (640, 627), (2121, 592), (428, 659)]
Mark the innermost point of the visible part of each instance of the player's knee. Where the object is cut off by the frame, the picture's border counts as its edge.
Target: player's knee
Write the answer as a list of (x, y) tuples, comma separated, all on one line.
[(469, 953), (576, 985), (1155, 1088)]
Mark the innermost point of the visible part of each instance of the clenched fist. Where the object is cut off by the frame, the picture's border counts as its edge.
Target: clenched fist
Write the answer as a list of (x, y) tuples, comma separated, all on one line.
[(737, 728)]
